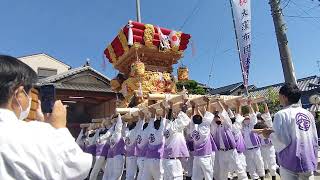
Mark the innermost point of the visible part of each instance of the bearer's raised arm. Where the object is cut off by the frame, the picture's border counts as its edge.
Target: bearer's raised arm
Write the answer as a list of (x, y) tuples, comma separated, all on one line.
[(224, 114), (252, 114), (117, 133), (266, 115)]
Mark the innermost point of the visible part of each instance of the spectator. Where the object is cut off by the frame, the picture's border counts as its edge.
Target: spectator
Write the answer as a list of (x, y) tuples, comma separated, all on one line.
[(294, 136), (34, 150)]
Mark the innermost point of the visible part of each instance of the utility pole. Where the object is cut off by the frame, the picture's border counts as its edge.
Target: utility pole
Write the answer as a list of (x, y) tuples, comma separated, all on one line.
[(285, 55), (138, 11)]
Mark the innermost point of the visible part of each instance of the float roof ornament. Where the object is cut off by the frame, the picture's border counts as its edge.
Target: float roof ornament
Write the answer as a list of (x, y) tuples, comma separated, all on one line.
[(158, 48)]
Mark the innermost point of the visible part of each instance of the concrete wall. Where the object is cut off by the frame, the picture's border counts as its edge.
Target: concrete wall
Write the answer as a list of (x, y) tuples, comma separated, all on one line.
[(44, 61)]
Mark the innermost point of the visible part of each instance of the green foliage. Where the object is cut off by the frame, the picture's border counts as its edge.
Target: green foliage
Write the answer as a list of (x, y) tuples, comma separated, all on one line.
[(273, 100), (245, 110), (191, 86)]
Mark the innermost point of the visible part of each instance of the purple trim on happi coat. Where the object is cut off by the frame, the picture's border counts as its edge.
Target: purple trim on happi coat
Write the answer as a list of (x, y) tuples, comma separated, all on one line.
[(303, 159), (255, 140), (227, 138), (117, 149), (91, 149), (155, 151), (241, 147), (131, 150), (102, 149), (177, 150), (204, 148)]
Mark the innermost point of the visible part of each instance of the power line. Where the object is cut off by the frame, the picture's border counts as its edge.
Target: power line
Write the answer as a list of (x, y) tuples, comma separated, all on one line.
[(314, 7), (218, 43), (194, 10), (286, 4), (307, 13), (303, 17)]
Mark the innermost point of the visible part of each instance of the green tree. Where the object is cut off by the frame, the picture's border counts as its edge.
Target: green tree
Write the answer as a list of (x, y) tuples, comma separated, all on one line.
[(192, 87), (273, 100)]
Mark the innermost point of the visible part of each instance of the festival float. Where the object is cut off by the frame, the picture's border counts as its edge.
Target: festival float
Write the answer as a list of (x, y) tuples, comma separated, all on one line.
[(144, 55)]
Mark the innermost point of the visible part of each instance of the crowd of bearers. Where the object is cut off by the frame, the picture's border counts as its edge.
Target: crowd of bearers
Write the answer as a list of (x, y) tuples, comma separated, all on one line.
[(214, 142)]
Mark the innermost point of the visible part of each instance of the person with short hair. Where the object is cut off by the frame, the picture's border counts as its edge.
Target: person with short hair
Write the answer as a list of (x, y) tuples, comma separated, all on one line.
[(153, 163), (255, 165), (267, 149), (294, 136), (225, 134), (175, 147), (34, 150), (142, 144), (131, 134), (202, 143), (115, 158)]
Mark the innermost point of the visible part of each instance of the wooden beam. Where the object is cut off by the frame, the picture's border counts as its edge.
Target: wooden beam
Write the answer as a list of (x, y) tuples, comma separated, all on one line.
[(126, 110), (99, 95)]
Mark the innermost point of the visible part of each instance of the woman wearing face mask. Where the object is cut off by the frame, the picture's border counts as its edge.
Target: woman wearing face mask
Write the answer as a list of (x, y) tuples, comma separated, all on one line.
[(34, 150), (255, 164)]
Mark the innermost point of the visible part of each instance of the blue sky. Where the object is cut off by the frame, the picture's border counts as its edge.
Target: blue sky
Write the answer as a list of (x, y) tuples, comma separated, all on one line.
[(73, 30)]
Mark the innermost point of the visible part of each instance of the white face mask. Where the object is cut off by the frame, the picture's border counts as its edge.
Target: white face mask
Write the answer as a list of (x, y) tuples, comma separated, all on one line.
[(246, 122), (24, 113)]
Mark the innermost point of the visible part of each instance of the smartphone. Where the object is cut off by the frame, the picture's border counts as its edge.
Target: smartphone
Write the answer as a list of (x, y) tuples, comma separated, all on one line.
[(47, 97)]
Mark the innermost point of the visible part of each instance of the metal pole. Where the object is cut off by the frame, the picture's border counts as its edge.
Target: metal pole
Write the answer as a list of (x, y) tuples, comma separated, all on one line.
[(285, 55), (238, 48), (138, 11)]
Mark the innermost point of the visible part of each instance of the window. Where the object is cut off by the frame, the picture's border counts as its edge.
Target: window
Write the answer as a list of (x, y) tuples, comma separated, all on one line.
[(46, 72)]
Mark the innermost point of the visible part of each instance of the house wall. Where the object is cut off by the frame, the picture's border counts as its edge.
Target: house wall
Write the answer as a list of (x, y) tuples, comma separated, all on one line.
[(44, 61), (103, 110)]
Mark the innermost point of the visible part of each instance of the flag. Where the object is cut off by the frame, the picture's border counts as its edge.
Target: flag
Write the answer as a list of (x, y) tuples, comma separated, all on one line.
[(175, 41), (242, 17)]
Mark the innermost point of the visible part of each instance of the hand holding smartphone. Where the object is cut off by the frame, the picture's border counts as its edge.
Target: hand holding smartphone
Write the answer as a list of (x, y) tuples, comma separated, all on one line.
[(55, 110), (48, 97)]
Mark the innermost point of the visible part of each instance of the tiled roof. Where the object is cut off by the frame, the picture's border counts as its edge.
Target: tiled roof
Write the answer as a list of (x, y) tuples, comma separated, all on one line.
[(81, 87), (304, 84), (71, 72), (227, 90)]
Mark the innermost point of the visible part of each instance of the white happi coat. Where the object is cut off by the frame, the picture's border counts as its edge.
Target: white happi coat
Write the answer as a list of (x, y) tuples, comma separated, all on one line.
[(228, 160), (36, 150), (175, 147), (175, 142), (81, 141), (201, 137), (131, 159), (115, 161), (255, 165), (295, 139)]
